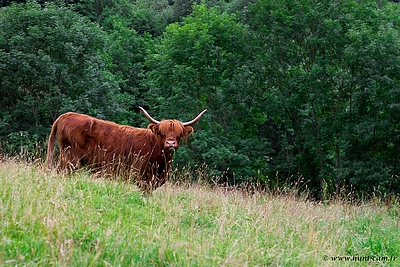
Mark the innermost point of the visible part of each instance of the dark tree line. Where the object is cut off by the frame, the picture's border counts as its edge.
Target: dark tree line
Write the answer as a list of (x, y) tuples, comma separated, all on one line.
[(296, 90)]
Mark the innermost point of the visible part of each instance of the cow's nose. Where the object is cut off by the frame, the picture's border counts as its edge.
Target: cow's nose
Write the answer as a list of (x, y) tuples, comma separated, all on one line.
[(170, 143)]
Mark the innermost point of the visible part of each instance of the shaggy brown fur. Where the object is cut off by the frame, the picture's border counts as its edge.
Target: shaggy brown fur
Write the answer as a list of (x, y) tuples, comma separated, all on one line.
[(116, 149)]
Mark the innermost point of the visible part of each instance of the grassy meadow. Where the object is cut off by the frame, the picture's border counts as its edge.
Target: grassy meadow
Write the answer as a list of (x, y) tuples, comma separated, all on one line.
[(78, 220)]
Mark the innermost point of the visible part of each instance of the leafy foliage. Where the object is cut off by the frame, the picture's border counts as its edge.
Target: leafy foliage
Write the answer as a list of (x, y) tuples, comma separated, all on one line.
[(323, 102), (51, 61), (295, 90), (202, 63)]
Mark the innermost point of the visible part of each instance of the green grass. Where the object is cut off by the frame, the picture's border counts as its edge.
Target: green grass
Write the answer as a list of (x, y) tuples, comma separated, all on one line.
[(77, 220)]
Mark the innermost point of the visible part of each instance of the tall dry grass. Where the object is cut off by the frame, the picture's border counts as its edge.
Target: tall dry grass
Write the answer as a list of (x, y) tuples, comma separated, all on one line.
[(76, 220)]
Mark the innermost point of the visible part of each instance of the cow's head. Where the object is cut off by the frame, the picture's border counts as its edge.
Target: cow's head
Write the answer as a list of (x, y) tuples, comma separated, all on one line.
[(171, 131)]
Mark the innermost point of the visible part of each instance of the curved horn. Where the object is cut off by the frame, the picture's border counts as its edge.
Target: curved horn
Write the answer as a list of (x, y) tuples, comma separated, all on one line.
[(195, 119), (147, 115)]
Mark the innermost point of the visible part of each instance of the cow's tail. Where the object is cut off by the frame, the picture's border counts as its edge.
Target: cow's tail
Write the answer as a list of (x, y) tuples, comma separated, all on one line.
[(50, 144)]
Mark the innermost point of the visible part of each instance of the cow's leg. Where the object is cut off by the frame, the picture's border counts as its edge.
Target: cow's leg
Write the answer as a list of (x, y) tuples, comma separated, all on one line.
[(144, 179), (62, 162), (162, 175), (68, 160)]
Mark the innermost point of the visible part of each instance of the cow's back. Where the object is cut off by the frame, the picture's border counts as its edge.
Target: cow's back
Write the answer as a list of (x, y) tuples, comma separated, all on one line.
[(88, 140)]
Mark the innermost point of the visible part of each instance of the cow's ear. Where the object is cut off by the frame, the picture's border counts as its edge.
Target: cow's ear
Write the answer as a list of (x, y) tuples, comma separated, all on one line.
[(153, 127), (187, 130)]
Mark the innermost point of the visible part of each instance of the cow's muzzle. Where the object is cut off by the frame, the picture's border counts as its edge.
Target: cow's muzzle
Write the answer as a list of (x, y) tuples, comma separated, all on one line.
[(170, 144)]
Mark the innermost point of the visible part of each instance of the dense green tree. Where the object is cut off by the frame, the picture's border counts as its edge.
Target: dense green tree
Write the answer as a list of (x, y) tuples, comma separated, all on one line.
[(374, 61), (331, 78), (144, 16), (202, 63), (149, 16), (127, 51), (295, 89), (52, 60)]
